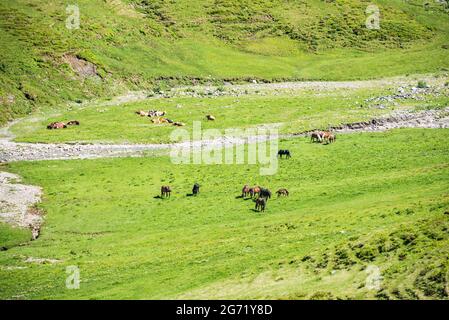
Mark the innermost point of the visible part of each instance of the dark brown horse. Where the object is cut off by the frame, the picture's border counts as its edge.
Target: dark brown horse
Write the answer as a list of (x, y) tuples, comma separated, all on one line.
[(196, 189), (245, 191), (317, 136), (282, 192), (260, 204), (165, 191), (265, 193)]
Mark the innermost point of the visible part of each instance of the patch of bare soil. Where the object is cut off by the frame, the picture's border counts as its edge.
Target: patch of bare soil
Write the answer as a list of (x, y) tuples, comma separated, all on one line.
[(81, 66), (17, 203), (41, 260)]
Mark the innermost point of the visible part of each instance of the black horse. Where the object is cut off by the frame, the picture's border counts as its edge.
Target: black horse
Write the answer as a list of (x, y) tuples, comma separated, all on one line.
[(196, 189), (285, 153), (265, 193)]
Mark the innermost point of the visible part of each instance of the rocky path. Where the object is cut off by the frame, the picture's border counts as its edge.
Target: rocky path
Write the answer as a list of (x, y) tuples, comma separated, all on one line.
[(16, 203), (12, 151)]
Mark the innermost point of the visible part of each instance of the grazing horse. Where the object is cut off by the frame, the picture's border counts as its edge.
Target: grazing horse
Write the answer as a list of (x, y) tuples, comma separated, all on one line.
[(329, 137), (265, 193), (285, 153), (260, 204), (245, 191), (165, 191), (57, 125), (73, 123), (196, 189), (282, 192), (253, 191), (317, 136)]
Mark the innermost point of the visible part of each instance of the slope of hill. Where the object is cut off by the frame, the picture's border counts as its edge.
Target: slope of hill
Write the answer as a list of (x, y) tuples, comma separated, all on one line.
[(128, 44)]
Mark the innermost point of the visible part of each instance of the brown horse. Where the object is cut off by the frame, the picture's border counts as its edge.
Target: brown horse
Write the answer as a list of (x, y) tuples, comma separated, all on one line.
[(260, 204), (245, 191), (317, 136), (253, 191), (165, 191), (282, 192), (329, 137)]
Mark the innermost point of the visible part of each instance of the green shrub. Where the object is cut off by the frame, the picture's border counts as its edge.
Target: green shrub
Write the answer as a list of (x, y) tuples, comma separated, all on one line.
[(422, 84)]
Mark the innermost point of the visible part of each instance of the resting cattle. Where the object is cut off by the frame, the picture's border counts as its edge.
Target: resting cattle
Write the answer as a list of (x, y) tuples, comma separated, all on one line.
[(73, 123), (57, 125), (210, 117), (160, 120), (142, 113), (156, 113)]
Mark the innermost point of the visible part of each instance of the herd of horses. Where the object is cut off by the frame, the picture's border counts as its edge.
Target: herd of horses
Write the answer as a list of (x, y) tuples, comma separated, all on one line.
[(259, 194), (323, 136)]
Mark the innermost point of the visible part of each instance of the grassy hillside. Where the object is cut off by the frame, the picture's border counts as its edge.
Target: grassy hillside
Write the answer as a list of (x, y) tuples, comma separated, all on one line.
[(376, 199), (129, 44)]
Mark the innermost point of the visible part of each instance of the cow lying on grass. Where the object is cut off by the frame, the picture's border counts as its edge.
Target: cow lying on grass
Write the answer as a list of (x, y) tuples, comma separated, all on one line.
[(62, 125), (151, 113)]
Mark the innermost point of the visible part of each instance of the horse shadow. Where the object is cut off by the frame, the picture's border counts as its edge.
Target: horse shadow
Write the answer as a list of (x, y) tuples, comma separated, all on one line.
[(157, 197)]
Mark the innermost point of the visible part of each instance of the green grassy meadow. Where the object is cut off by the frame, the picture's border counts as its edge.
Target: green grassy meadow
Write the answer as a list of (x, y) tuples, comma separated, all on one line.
[(369, 199), (292, 112)]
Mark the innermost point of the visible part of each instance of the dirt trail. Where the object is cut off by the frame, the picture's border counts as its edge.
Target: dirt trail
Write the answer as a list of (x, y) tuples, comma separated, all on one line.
[(16, 203), (12, 151)]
